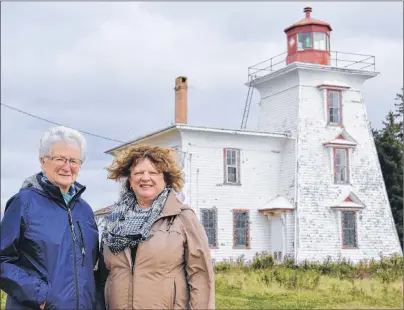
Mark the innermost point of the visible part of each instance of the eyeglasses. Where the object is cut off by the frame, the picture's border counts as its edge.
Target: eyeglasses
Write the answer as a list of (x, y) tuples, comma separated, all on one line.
[(60, 161)]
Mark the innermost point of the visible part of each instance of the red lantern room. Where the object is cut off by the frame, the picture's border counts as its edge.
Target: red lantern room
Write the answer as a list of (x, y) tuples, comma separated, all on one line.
[(309, 41)]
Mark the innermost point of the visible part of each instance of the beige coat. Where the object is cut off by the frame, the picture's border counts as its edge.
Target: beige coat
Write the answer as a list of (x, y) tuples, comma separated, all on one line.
[(173, 269)]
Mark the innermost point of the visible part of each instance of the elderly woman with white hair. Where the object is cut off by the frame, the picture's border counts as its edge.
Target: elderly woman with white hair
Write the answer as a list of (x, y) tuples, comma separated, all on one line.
[(49, 238)]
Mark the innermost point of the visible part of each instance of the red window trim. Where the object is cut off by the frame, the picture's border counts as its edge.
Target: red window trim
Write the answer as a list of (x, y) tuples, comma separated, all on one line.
[(347, 164), (328, 90), (225, 181), (234, 229), (355, 212)]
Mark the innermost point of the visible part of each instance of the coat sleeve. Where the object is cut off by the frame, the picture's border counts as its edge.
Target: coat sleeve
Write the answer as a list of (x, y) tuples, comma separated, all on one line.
[(16, 281), (101, 275), (199, 268)]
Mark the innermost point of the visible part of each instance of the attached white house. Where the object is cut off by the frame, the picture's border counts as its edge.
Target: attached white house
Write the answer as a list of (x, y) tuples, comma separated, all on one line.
[(307, 183)]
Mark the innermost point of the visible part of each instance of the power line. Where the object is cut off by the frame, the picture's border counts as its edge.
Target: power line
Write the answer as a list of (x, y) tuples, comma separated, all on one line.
[(52, 122)]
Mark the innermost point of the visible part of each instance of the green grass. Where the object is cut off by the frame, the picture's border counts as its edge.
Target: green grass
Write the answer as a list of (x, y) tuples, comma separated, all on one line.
[(328, 285), (244, 290), (239, 289)]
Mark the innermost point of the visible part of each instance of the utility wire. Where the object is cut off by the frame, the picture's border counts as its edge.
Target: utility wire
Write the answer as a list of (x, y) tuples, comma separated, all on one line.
[(52, 122)]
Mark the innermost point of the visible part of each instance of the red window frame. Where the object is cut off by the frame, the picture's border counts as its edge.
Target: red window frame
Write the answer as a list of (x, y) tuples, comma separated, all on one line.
[(355, 213)]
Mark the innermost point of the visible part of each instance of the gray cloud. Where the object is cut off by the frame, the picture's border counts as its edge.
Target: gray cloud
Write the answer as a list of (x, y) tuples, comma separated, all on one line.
[(109, 68)]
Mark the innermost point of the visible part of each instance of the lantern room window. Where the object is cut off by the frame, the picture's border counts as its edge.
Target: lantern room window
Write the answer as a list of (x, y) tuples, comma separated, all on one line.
[(313, 40), (304, 41)]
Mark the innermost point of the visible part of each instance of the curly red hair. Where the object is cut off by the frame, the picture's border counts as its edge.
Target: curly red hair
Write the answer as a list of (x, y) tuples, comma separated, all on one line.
[(162, 158)]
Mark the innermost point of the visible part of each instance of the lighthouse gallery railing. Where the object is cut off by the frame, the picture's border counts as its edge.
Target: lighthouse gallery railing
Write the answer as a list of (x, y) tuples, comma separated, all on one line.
[(337, 59)]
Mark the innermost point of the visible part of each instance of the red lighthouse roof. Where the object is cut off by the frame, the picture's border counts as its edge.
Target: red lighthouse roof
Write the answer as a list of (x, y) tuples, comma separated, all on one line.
[(308, 21), (308, 41)]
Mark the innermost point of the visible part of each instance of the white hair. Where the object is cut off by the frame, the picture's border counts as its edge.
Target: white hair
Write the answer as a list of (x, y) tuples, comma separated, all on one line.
[(65, 135)]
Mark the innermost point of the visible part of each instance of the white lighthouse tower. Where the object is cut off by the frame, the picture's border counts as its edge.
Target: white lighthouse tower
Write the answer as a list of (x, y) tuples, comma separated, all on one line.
[(340, 200)]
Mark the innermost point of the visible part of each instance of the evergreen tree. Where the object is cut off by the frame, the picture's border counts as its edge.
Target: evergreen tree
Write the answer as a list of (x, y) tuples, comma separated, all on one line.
[(389, 144)]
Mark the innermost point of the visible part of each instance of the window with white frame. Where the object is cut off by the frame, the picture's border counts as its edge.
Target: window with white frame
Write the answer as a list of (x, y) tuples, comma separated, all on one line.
[(241, 229), (334, 107), (349, 231), (341, 165), (209, 222), (231, 166)]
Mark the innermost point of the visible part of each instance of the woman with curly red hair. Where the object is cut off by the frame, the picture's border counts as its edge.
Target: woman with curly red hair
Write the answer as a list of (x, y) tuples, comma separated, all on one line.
[(154, 252)]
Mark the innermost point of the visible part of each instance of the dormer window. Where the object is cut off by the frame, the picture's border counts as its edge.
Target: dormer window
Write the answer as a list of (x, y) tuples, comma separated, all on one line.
[(312, 40)]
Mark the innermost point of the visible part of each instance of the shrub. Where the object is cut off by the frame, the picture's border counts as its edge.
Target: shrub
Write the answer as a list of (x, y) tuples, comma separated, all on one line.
[(263, 261)]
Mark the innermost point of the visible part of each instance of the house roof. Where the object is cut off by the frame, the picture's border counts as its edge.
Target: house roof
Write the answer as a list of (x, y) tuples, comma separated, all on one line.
[(183, 127), (341, 139), (348, 201), (277, 203), (307, 22)]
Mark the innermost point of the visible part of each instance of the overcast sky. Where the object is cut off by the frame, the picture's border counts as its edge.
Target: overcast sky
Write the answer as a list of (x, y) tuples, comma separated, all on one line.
[(109, 68)]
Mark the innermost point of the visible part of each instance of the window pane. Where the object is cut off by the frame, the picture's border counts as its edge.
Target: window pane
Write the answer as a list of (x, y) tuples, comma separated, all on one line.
[(241, 228), (304, 40), (334, 107), (231, 157), (209, 223), (232, 174), (349, 229), (319, 41), (341, 165), (334, 99)]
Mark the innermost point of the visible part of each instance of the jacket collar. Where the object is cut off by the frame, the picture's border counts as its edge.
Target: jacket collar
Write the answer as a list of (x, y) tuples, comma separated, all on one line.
[(171, 207), (37, 183)]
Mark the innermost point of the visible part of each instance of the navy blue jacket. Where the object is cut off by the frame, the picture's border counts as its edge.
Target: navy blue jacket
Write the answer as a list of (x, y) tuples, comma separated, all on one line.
[(48, 249)]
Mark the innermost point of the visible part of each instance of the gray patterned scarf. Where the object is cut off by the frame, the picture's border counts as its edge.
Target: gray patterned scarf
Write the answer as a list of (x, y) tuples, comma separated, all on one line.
[(127, 224)]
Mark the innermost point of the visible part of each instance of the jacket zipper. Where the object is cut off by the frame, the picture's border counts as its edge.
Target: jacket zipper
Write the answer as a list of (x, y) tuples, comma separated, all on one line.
[(83, 251), (74, 239), (76, 281)]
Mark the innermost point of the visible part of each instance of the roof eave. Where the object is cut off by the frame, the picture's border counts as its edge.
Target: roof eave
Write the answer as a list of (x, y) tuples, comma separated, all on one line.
[(137, 140)]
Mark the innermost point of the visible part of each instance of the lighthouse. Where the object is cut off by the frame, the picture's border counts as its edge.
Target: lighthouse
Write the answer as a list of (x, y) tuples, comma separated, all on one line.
[(306, 183), (336, 185)]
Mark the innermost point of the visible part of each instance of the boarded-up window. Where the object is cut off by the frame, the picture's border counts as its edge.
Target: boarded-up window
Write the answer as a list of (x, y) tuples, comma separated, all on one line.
[(232, 166), (241, 228), (209, 222), (349, 235)]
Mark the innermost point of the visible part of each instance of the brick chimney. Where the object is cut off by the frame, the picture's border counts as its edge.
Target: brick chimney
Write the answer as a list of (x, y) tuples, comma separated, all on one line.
[(181, 88)]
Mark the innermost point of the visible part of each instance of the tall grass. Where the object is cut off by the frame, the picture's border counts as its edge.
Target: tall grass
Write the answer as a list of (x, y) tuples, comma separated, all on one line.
[(263, 284)]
